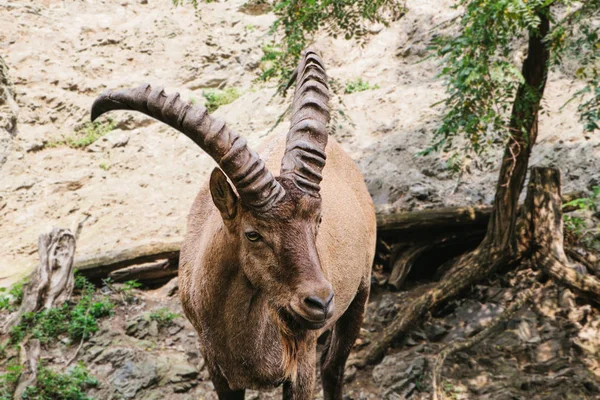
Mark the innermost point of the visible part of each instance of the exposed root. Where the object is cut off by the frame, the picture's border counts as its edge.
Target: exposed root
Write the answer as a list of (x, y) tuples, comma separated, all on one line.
[(29, 355), (469, 269), (505, 316), (589, 261), (540, 242)]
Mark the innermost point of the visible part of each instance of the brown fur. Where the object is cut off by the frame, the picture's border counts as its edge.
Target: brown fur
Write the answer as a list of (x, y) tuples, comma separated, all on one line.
[(237, 296), (291, 346)]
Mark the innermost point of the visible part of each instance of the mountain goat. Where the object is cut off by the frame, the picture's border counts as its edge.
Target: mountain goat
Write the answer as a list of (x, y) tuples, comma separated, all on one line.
[(269, 263)]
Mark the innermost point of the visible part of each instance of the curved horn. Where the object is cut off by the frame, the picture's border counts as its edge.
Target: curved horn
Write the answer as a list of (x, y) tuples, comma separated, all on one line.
[(255, 184), (304, 156)]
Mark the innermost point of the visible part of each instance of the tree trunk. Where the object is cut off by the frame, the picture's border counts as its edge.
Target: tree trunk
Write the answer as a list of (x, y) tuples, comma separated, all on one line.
[(499, 246), (52, 283), (543, 205), (523, 131), (49, 286)]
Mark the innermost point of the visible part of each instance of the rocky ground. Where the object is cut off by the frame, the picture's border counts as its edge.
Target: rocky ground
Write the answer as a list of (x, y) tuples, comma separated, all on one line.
[(547, 351), (136, 185)]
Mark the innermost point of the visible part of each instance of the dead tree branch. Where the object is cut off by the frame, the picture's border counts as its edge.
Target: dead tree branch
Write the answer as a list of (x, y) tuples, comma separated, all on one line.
[(52, 283)]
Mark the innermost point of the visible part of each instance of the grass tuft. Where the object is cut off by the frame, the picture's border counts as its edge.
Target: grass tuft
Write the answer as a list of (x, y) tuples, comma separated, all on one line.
[(216, 98)]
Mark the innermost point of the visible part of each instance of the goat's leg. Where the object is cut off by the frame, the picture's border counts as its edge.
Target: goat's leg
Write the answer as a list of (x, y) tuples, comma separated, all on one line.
[(222, 387), (340, 342), (303, 386)]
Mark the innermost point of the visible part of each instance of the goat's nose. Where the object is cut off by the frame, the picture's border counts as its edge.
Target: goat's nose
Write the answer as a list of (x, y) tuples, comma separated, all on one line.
[(318, 306), (319, 303)]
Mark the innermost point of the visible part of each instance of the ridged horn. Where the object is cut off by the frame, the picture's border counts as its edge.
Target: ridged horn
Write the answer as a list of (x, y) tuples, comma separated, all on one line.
[(255, 184), (304, 156)]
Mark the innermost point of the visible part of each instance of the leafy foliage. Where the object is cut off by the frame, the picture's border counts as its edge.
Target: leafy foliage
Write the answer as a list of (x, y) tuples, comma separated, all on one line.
[(11, 300), (9, 379), (54, 385), (482, 77), (358, 85), (163, 316), (86, 135), (298, 21), (579, 39), (77, 320), (216, 98), (577, 226)]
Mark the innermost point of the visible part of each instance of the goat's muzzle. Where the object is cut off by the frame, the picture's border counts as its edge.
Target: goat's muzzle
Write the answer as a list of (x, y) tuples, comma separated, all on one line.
[(313, 308)]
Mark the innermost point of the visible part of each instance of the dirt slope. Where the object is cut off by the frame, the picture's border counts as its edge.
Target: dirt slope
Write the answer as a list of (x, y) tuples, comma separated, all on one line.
[(137, 183)]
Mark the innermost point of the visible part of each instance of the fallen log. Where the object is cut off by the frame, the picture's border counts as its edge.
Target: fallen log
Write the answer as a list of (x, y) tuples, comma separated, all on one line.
[(101, 265), (452, 244), (159, 271), (392, 221), (400, 222), (413, 227)]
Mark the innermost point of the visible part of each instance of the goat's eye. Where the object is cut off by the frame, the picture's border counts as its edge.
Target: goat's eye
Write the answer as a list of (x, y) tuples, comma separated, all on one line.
[(253, 236)]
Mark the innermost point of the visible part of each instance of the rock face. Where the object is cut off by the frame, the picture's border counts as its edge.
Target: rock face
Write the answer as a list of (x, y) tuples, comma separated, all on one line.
[(140, 180), (8, 112)]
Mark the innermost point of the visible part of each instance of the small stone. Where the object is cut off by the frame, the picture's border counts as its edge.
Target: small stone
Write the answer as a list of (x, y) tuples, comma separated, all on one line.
[(34, 146), (153, 328), (120, 140), (255, 8), (183, 387), (174, 328), (350, 374), (184, 371)]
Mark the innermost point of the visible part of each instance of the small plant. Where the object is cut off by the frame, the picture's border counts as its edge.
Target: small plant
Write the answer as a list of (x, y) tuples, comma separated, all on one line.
[(576, 225), (125, 290), (54, 385), (216, 98), (86, 135), (163, 316), (90, 132), (9, 379), (12, 299), (78, 320), (128, 288), (270, 62), (104, 166), (250, 28), (177, 3), (358, 85)]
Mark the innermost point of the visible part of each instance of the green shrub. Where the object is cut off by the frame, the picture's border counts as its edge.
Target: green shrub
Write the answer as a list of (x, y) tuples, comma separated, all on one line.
[(576, 225), (358, 85), (9, 379), (163, 316), (216, 98), (86, 135), (54, 385), (11, 300), (77, 319)]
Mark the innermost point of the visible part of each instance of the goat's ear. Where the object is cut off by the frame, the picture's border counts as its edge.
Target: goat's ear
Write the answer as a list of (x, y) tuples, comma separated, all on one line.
[(222, 194)]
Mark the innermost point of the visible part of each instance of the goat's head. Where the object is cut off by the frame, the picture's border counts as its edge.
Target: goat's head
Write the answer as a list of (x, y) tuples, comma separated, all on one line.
[(271, 222)]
